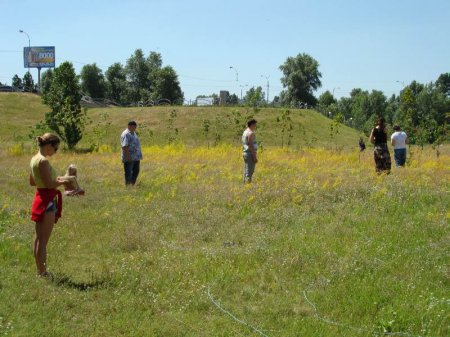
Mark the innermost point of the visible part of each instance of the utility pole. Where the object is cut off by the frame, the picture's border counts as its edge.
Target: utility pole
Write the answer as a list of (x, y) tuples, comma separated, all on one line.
[(267, 78), (237, 74), (29, 47)]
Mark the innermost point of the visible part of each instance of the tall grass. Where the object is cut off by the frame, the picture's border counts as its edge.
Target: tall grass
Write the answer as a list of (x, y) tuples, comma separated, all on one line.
[(318, 245)]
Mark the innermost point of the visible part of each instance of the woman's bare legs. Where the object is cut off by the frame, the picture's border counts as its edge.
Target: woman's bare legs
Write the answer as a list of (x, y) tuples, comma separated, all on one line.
[(43, 232)]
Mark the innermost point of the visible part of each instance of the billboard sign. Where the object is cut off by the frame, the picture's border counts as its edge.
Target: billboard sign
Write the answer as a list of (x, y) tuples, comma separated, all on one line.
[(39, 57)]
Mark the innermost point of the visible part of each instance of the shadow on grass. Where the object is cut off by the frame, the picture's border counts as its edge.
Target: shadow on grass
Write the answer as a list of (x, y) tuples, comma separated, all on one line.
[(66, 281)]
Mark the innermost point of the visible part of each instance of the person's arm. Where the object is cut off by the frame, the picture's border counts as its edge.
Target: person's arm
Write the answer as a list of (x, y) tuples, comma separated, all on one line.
[(125, 148), (392, 141), (251, 147), (407, 139), (46, 175), (32, 182), (372, 138), (126, 153)]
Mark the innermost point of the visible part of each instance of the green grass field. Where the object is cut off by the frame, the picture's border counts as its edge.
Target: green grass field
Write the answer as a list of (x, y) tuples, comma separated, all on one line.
[(318, 245), (22, 111)]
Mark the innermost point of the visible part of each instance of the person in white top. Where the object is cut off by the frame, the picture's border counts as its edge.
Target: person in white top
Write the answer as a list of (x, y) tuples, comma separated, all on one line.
[(399, 139), (249, 147)]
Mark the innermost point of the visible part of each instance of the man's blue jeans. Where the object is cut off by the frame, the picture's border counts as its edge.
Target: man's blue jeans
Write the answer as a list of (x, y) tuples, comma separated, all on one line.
[(131, 169), (400, 157)]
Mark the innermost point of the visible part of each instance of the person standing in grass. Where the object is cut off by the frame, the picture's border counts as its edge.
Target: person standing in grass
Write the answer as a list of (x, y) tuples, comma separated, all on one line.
[(399, 139), (131, 153), (250, 148), (47, 203), (381, 154)]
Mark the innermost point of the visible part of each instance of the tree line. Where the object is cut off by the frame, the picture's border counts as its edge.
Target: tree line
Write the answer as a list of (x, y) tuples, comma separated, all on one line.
[(422, 110), (140, 80)]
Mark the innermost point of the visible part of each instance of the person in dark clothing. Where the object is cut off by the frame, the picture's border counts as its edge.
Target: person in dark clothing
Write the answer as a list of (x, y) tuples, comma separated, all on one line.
[(381, 154), (362, 145)]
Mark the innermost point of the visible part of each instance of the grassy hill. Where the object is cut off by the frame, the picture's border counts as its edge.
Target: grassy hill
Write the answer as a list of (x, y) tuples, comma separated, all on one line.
[(21, 111), (317, 245)]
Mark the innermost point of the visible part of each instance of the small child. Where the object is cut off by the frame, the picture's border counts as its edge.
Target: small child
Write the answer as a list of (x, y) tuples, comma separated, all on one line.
[(71, 185)]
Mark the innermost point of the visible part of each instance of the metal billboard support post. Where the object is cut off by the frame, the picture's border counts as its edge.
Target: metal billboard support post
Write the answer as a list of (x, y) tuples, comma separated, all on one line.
[(39, 78)]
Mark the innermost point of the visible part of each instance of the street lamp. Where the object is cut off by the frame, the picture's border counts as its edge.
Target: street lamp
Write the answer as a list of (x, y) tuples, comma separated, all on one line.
[(267, 78), (29, 47), (242, 86), (237, 75), (335, 89)]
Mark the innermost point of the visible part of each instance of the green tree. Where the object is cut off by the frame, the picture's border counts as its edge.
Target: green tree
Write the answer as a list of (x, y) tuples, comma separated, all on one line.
[(443, 83), (28, 83), (254, 97), (116, 83), (233, 99), (166, 85), (46, 80), (66, 119), (154, 64), (16, 81), (93, 81), (301, 77), (137, 72), (326, 99)]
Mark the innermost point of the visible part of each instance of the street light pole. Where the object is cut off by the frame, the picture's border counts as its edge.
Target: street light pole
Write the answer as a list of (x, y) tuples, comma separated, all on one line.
[(29, 46), (335, 89), (267, 78), (237, 75), (242, 86)]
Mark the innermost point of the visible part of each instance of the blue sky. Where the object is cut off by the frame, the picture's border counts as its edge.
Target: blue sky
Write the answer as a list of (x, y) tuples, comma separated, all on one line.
[(358, 44)]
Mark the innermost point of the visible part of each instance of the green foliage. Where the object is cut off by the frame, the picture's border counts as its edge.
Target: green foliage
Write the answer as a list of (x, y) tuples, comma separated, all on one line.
[(137, 74), (92, 81), (101, 129), (326, 99), (286, 127), (116, 85), (206, 128), (66, 118), (238, 121), (28, 83), (233, 99), (443, 83), (46, 80), (301, 77), (172, 130), (166, 86), (254, 97), (16, 81)]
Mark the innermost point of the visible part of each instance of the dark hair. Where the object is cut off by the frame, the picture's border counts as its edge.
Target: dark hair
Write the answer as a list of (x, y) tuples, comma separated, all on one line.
[(132, 123), (251, 122), (396, 128), (381, 122), (48, 138)]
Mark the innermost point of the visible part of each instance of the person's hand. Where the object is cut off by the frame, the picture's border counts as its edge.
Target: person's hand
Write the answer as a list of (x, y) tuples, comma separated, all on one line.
[(255, 160), (61, 181)]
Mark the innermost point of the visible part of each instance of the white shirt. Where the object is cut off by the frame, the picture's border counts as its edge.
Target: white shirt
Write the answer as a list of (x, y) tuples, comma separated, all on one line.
[(399, 138)]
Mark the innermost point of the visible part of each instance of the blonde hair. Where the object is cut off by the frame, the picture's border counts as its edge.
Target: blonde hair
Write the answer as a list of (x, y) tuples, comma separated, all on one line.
[(48, 138), (71, 170)]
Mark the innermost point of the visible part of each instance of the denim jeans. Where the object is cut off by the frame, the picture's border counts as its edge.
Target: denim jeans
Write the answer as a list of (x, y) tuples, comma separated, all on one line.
[(131, 169), (400, 157)]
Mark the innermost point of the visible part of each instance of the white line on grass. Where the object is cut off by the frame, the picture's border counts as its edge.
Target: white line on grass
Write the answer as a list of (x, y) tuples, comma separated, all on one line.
[(328, 321), (233, 316)]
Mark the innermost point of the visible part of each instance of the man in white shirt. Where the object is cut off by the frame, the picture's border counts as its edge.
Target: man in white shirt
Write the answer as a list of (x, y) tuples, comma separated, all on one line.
[(399, 139)]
